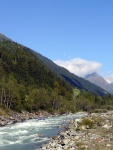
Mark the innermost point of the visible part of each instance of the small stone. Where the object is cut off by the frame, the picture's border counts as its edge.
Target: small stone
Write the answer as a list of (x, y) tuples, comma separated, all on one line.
[(106, 126), (84, 146), (72, 148), (63, 134), (111, 139), (54, 137), (108, 145), (66, 141), (82, 127), (53, 144), (98, 139), (76, 138)]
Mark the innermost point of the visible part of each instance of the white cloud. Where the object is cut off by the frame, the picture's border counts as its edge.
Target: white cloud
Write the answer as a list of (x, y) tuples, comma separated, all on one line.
[(79, 66), (109, 79)]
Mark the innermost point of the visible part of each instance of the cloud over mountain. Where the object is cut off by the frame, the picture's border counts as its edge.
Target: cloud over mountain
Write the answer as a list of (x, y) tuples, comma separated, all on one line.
[(109, 79), (79, 66)]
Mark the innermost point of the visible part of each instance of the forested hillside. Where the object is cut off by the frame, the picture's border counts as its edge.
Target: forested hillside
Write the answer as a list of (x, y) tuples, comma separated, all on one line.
[(26, 83)]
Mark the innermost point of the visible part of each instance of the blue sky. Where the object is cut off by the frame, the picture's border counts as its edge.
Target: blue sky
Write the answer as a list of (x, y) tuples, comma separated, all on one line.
[(77, 34)]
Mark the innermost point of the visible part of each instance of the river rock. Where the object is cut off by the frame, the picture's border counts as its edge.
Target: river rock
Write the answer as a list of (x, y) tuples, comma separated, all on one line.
[(2, 123), (66, 141), (106, 126), (72, 133), (63, 134)]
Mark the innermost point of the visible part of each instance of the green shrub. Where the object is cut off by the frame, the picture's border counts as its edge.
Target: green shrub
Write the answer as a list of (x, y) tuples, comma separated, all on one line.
[(98, 120), (87, 122), (99, 111)]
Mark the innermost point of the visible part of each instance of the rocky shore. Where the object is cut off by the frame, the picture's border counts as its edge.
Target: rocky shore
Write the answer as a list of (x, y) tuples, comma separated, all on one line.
[(94, 132), (14, 117)]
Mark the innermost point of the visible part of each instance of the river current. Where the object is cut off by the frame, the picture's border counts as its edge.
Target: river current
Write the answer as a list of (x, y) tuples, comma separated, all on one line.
[(30, 134)]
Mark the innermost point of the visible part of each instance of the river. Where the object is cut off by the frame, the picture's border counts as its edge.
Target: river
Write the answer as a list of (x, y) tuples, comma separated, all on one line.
[(30, 134)]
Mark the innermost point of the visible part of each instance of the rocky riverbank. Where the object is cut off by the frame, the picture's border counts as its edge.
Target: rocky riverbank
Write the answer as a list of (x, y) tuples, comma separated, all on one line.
[(13, 117), (94, 132)]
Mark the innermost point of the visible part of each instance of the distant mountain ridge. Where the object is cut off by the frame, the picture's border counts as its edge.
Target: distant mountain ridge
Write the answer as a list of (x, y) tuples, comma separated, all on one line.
[(99, 81), (111, 84)]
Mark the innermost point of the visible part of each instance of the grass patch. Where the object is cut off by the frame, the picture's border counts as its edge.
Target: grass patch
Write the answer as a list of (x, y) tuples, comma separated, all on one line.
[(76, 92), (4, 112)]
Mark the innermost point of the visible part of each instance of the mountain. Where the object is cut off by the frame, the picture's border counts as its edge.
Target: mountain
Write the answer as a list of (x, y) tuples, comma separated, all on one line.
[(75, 81), (17, 49), (3, 37), (99, 81), (111, 84)]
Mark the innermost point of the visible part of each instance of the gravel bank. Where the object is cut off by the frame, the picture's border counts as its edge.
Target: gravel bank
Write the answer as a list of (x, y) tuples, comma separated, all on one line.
[(94, 132)]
